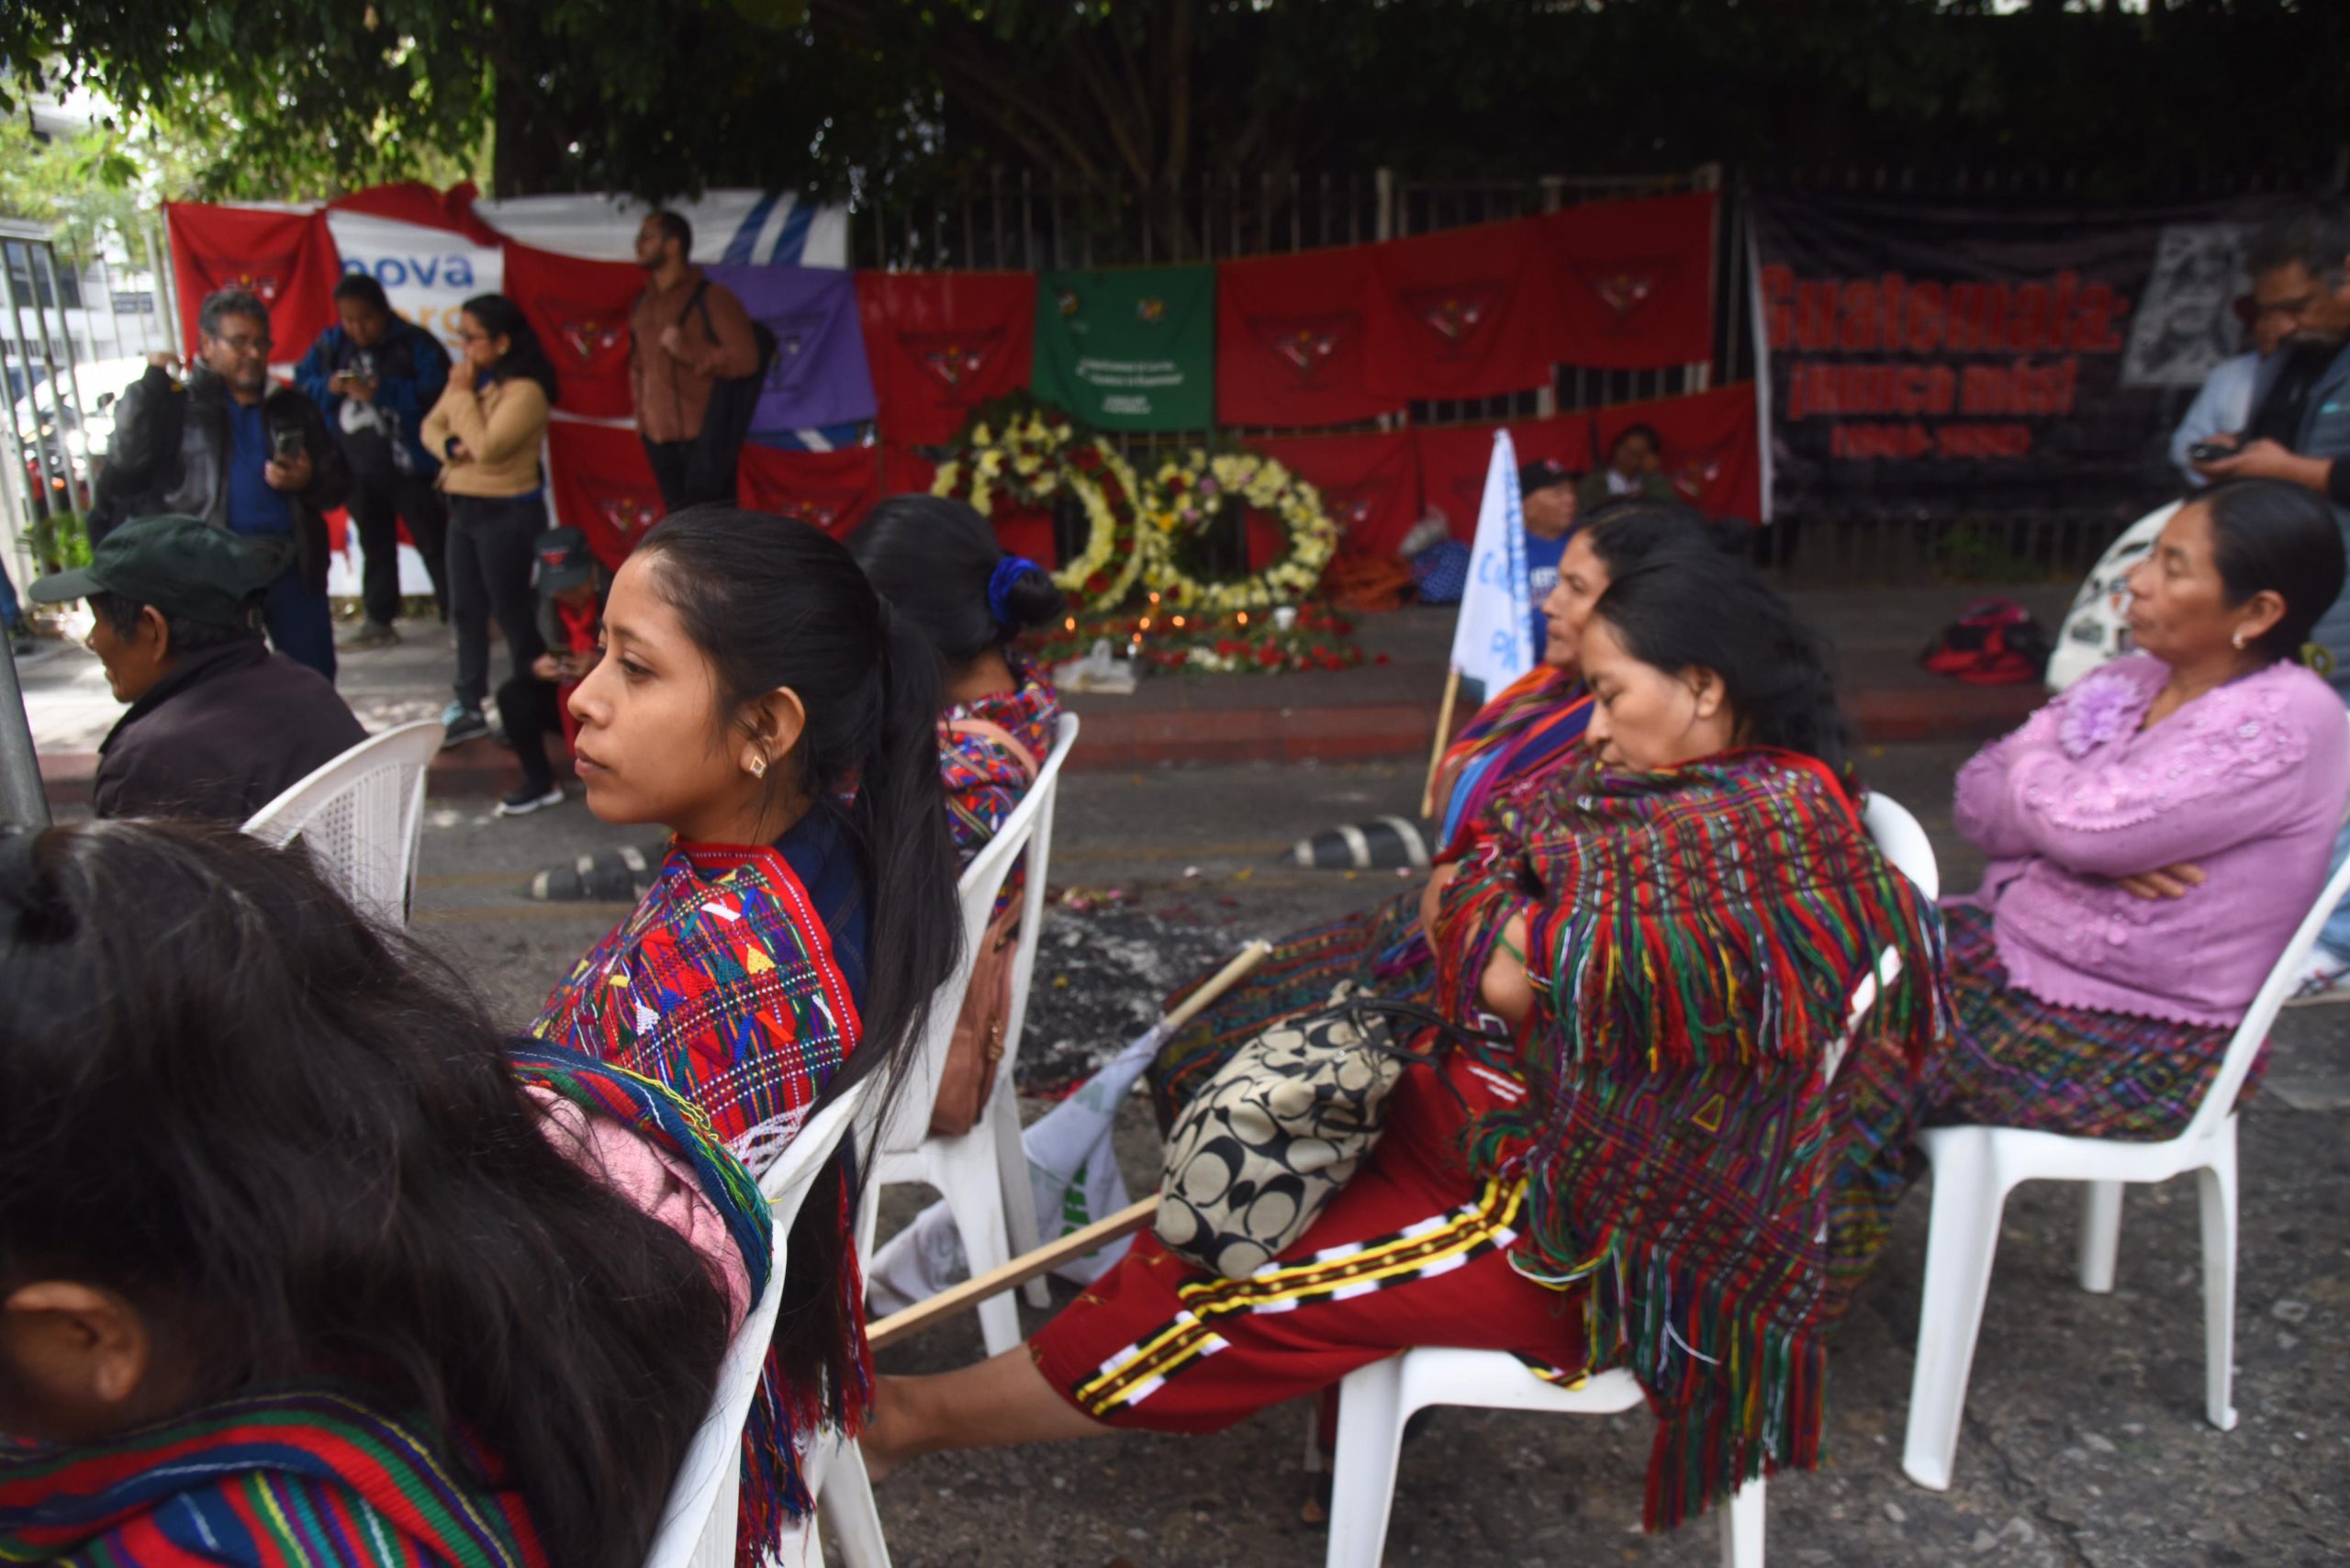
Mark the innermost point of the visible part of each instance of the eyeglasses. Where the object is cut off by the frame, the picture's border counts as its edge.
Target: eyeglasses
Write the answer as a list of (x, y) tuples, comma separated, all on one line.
[(246, 343)]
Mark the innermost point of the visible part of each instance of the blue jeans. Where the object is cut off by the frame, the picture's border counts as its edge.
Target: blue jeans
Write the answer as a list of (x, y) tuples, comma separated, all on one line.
[(12, 614), (2334, 935), (301, 624)]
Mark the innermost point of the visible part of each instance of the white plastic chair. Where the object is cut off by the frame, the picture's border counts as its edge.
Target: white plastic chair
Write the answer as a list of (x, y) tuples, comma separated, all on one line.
[(698, 1523), (983, 1175), (1375, 1401), (361, 816), (1975, 1167)]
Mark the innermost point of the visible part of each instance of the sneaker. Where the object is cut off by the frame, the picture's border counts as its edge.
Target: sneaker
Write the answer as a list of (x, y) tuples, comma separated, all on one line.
[(462, 725), (2323, 977), (370, 634), (526, 800)]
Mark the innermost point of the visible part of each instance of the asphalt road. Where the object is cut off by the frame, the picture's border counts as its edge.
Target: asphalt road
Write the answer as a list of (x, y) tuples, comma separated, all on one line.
[(2084, 1442)]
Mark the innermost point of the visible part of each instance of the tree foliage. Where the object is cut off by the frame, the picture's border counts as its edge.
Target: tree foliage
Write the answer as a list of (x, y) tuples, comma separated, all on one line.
[(884, 99)]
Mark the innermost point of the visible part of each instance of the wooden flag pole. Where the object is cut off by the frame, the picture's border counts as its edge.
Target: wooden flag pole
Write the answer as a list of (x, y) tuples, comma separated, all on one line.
[(1443, 733), (1012, 1275), (1044, 1259)]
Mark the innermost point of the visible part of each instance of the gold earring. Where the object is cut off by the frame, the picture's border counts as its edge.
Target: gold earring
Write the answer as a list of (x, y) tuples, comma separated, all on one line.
[(758, 767)]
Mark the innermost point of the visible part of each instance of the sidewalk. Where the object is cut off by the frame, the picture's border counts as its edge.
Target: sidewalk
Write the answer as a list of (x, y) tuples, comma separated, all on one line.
[(1375, 712)]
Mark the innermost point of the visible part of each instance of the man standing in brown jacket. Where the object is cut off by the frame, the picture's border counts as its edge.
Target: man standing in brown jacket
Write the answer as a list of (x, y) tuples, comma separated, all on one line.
[(687, 334)]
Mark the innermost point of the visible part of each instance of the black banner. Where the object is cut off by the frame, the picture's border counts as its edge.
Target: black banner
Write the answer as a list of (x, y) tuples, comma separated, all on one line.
[(1933, 360)]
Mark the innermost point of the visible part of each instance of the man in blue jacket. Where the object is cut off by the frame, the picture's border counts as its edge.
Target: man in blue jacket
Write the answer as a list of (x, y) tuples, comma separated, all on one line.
[(376, 376)]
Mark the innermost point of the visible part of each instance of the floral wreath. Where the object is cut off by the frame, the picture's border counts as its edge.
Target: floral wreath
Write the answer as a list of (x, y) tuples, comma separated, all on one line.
[(1183, 496), (1025, 457)]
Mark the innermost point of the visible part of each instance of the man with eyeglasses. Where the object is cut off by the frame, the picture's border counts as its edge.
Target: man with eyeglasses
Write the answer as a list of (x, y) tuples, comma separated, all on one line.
[(242, 455)]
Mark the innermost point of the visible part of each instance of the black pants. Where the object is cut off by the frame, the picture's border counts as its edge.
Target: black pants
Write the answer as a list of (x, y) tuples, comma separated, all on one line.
[(490, 573), (379, 504), (526, 705), (691, 475)]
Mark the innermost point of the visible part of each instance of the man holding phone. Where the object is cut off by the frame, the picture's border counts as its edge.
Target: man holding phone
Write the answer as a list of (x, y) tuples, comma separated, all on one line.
[(239, 453), (375, 377)]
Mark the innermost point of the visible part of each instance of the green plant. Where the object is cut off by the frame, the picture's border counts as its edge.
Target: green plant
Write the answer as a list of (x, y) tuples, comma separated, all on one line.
[(62, 541)]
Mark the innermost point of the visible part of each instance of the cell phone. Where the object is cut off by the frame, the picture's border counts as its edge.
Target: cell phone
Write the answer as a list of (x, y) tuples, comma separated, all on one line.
[(287, 441), (2210, 450)]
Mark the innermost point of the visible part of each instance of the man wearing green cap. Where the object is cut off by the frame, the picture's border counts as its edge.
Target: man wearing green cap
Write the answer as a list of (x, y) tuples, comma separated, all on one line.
[(218, 725)]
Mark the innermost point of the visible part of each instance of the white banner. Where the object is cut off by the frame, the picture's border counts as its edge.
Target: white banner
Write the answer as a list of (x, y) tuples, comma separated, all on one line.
[(1493, 640)]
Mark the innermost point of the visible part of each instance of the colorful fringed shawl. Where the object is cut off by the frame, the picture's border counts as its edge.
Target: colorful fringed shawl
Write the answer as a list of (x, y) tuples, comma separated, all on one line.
[(1694, 940), (1531, 727), (1520, 732), (721, 986), (772, 1491), (984, 783), (310, 1479)]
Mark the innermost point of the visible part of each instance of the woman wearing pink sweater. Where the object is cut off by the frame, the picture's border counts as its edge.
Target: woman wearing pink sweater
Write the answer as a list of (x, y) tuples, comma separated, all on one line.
[(2154, 834)]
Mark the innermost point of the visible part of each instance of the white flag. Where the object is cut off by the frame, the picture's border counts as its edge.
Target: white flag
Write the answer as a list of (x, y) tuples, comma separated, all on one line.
[(1493, 641)]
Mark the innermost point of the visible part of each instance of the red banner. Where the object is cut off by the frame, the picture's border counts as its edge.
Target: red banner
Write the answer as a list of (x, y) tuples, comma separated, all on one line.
[(1465, 313), (580, 311), (1290, 339), (1453, 460), (411, 201), (942, 343), (1708, 445), (285, 259), (1633, 282), (603, 486), (1370, 484), (831, 489)]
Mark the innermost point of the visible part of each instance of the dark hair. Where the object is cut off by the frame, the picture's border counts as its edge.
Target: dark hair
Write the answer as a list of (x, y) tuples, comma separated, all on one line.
[(1683, 608), (364, 290), (673, 225), (293, 1142), (222, 303), (2316, 235), (501, 318), (774, 602), (120, 614), (2266, 533), (935, 560), (1656, 442), (1628, 531)]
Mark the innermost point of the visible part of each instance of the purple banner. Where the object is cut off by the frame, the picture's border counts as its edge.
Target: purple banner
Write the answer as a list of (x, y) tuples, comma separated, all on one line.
[(818, 375)]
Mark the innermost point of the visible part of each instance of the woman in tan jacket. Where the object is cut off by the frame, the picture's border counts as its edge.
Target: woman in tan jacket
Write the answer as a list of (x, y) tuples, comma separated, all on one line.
[(486, 429)]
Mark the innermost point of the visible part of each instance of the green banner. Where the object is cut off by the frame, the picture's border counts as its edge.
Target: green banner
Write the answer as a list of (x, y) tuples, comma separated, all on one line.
[(1131, 349)]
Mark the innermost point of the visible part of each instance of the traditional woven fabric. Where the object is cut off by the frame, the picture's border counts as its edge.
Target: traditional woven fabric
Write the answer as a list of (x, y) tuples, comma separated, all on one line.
[(772, 1491), (985, 783), (310, 1479), (720, 988), (1695, 939), (1520, 732), (1530, 728), (1412, 1252)]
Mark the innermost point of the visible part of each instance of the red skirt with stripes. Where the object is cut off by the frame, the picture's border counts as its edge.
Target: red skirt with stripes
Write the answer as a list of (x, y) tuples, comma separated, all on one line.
[(1412, 1252)]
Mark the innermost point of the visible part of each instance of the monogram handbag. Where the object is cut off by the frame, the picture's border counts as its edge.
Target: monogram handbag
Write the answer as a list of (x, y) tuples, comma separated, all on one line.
[(1272, 1137)]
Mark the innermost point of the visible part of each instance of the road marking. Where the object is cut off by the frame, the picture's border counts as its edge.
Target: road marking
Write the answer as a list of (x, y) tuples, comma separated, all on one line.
[(1413, 844)]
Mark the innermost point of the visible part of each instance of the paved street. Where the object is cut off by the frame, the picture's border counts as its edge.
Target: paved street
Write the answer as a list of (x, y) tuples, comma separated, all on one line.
[(2084, 1442)]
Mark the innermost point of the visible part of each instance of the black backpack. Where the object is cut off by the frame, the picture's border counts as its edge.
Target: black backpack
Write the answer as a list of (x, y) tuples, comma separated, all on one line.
[(734, 401)]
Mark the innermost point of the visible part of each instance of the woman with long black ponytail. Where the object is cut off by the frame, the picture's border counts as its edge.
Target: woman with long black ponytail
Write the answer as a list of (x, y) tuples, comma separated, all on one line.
[(759, 698)]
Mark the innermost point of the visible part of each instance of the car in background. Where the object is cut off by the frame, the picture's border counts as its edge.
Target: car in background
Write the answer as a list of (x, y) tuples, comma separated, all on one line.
[(2096, 628), (62, 440)]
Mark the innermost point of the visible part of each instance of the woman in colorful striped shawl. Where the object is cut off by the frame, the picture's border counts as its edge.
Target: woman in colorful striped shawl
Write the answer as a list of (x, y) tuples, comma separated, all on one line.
[(1676, 925), (759, 698), (293, 1270), (1522, 734)]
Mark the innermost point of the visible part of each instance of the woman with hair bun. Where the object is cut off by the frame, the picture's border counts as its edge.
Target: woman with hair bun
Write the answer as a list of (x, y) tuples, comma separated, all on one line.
[(937, 560)]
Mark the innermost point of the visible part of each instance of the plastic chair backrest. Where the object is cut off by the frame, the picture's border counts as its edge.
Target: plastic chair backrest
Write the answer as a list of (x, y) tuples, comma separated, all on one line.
[(1900, 839), (698, 1523), (2220, 1101), (909, 1119), (361, 816)]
